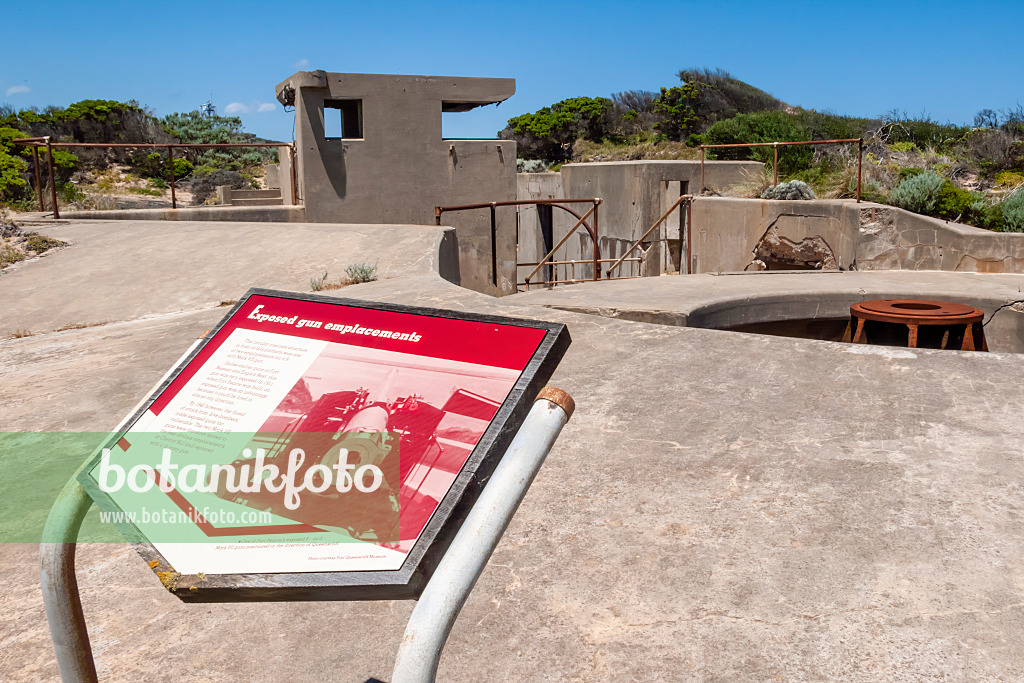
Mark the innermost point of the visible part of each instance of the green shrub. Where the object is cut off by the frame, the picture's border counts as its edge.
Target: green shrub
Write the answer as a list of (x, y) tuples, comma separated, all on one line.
[(918, 193), (765, 126), (985, 215), (182, 168), (145, 191), (153, 165), (361, 272), (40, 243), (676, 105), (909, 172), (1009, 178), (158, 183), (794, 189), (955, 203), (550, 132), (903, 147), (64, 164), (1013, 212), (68, 193), (11, 168), (316, 284), (196, 127)]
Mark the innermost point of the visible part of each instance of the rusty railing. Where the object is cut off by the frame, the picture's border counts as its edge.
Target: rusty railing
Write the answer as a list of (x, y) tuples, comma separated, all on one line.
[(596, 261), (45, 141), (689, 214), (776, 145)]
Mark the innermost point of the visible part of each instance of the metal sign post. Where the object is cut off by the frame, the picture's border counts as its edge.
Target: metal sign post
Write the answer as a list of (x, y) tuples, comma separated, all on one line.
[(438, 605)]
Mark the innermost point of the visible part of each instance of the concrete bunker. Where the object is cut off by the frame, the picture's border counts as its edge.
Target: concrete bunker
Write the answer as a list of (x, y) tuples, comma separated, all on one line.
[(371, 150)]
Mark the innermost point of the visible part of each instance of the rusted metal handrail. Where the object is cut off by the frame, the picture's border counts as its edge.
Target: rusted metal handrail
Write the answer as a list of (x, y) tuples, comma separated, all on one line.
[(565, 238), (581, 220), (682, 198), (776, 145), (45, 141)]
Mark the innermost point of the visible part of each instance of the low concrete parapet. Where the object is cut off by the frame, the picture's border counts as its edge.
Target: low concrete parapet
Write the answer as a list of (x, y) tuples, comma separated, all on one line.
[(727, 233), (250, 214)]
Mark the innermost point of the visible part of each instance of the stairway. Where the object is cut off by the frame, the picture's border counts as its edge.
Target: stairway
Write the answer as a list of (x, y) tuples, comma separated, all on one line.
[(229, 197)]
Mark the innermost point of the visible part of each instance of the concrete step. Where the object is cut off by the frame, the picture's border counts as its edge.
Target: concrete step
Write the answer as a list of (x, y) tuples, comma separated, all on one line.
[(256, 194), (259, 201)]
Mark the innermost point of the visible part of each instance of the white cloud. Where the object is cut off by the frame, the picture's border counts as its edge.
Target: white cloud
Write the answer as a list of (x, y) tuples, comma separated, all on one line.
[(265, 106), (301, 63), (18, 89), (236, 108)]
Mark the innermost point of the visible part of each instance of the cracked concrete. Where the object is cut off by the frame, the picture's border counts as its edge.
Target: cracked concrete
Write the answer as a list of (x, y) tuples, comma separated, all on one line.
[(721, 507)]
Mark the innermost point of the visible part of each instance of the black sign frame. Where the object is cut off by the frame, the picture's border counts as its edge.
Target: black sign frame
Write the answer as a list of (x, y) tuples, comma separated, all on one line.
[(408, 581)]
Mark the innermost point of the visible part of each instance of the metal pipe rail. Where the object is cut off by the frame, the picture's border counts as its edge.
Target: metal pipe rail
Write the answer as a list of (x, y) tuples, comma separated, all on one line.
[(688, 199), (596, 201), (776, 145), (438, 606), (449, 587), (45, 141)]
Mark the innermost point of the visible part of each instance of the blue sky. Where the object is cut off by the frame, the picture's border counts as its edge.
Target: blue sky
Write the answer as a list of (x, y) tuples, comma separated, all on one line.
[(946, 59)]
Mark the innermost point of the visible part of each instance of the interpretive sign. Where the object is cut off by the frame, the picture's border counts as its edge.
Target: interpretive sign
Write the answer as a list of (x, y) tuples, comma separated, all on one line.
[(318, 448)]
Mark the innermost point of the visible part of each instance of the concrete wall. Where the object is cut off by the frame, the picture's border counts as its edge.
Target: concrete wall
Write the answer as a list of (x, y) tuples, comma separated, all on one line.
[(636, 194), (401, 168), (894, 239), (725, 230), (531, 246), (862, 236)]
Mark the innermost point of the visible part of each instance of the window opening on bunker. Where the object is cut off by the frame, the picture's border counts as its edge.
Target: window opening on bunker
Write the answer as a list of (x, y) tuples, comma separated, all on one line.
[(343, 119), (468, 122)]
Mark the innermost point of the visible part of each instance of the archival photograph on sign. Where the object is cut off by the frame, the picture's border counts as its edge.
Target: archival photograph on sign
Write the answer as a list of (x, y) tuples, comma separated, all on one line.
[(373, 404), (293, 444)]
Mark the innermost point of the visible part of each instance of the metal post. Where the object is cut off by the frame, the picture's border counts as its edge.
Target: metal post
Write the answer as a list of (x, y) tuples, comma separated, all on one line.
[(775, 168), (860, 160), (170, 165), (294, 174), (455, 576), (437, 215), (60, 587), (57, 579), (494, 247), (689, 236), (39, 183), (53, 181), (701, 169), (597, 251)]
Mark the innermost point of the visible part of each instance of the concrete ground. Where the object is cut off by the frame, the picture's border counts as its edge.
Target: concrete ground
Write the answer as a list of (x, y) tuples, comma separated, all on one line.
[(721, 507), (118, 270)]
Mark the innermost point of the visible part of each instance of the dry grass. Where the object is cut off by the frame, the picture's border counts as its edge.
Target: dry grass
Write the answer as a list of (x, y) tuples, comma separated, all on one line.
[(20, 333), (77, 326), (754, 184), (585, 151)]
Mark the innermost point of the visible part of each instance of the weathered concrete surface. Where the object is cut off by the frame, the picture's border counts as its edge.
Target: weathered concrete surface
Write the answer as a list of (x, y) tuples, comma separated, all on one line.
[(248, 214), (122, 271), (865, 236), (726, 231), (731, 299), (894, 239), (721, 507)]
